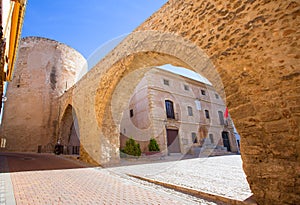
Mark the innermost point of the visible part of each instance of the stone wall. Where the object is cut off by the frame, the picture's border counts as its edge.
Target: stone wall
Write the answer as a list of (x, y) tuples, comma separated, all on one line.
[(44, 70), (249, 50), (254, 46), (267, 117)]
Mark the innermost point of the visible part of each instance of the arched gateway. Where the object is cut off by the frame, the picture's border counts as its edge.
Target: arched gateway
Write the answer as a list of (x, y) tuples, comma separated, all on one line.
[(252, 46), (249, 50), (69, 136)]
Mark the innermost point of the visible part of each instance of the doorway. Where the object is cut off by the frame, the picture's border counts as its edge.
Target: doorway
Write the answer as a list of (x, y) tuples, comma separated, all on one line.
[(173, 141), (69, 132), (226, 141), (73, 141)]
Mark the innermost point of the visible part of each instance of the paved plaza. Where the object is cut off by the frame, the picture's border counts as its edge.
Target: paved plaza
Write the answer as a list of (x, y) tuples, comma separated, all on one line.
[(49, 179), (222, 175), (75, 185)]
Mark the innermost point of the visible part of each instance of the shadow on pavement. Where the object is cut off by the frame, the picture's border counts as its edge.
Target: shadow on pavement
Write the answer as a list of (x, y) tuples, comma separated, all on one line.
[(152, 159), (19, 162)]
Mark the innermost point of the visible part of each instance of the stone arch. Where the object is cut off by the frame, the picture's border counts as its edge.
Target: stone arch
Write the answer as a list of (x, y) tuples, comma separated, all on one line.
[(246, 66), (254, 47), (69, 134), (157, 48), (144, 50), (138, 53)]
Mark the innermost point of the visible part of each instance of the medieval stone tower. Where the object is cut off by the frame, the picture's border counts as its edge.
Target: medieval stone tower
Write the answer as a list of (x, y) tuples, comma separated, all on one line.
[(247, 49), (45, 69)]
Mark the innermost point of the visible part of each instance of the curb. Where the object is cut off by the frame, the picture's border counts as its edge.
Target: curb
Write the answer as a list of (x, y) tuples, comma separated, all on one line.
[(210, 197), (6, 186)]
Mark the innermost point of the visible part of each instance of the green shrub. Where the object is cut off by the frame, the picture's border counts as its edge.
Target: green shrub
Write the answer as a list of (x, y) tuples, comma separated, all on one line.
[(132, 148), (153, 146)]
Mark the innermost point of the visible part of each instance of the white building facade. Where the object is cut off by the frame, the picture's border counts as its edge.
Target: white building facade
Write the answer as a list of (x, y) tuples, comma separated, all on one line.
[(183, 115)]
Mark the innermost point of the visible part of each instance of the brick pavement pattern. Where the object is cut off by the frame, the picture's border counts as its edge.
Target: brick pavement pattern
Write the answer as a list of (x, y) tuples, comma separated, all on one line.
[(33, 184), (82, 186)]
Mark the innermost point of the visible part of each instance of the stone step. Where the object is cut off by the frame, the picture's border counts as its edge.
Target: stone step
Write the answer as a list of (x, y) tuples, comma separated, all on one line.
[(208, 151)]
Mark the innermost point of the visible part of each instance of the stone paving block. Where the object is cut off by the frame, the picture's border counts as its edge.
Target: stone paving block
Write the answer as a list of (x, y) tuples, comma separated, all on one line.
[(84, 186), (221, 175), (78, 186)]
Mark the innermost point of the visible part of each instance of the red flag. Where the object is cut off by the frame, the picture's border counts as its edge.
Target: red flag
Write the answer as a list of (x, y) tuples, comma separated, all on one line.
[(226, 113)]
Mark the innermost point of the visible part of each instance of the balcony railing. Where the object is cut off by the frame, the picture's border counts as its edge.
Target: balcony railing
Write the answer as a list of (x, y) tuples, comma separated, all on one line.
[(174, 116)]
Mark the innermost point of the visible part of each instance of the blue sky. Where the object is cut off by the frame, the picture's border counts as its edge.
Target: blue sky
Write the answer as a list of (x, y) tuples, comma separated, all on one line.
[(86, 25), (89, 24), (184, 72)]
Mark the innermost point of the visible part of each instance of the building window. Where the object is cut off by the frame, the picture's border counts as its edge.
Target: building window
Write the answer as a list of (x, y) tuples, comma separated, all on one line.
[(217, 96), (221, 117), (190, 111), (198, 104), (194, 138), (186, 87), (166, 82), (207, 114), (131, 113), (169, 109), (203, 92), (211, 137)]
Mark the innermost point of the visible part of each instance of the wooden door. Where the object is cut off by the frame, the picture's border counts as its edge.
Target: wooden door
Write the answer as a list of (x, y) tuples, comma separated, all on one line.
[(226, 142), (173, 141)]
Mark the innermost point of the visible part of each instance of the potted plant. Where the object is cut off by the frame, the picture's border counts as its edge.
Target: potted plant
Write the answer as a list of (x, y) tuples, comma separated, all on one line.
[(132, 148)]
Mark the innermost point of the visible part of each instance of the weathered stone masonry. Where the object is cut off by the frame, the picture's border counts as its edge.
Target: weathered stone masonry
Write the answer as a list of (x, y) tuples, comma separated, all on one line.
[(248, 49), (44, 70), (254, 46)]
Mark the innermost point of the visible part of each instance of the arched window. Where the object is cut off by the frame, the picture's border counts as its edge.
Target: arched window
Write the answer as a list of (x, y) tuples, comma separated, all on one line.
[(169, 109)]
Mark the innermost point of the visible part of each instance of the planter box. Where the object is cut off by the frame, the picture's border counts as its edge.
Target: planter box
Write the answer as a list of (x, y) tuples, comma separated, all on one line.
[(152, 153)]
